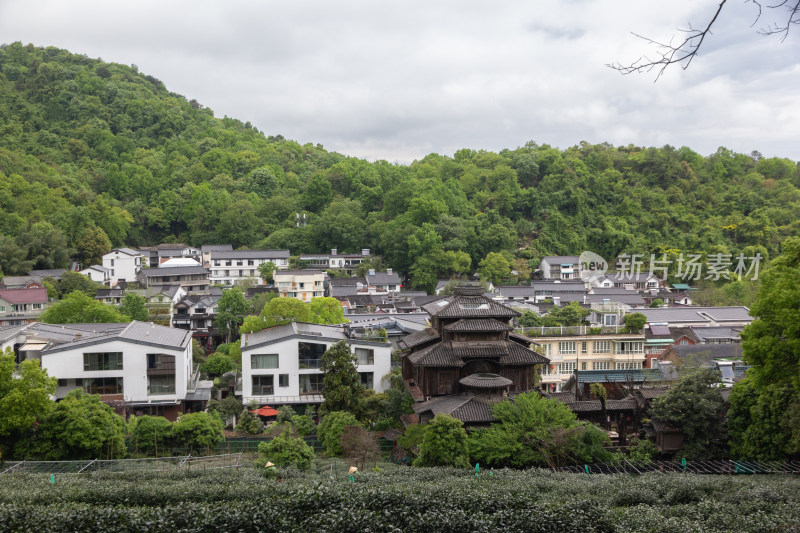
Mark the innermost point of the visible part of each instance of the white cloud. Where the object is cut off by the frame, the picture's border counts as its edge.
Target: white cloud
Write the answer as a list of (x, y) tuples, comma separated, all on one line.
[(397, 80)]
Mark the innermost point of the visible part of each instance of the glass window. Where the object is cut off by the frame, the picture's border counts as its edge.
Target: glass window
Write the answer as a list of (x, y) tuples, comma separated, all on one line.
[(583, 347), (365, 356), (263, 360), (102, 361), (366, 379), (164, 384), (602, 365), (310, 383), (583, 365), (102, 385), (566, 347), (602, 346), (283, 380), (263, 385), (566, 368), (310, 354)]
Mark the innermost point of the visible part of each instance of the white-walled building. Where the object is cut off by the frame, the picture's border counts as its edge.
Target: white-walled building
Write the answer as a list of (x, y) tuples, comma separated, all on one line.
[(123, 263), (560, 267), (280, 365), (228, 267), (98, 274), (300, 284), (145, 366)]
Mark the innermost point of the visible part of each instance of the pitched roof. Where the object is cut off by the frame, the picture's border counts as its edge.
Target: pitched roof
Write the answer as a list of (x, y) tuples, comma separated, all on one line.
[(697, 314), (471, 307), (632, 298), (562, 259), (24, 296), (453, 354), (485, 381), (478, 324), (464, 407), (135, 332), (383, 278), (216, 248), (418, 338)]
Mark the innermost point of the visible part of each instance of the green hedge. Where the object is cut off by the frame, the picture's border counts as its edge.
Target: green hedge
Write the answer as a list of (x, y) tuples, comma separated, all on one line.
[(399, 499)]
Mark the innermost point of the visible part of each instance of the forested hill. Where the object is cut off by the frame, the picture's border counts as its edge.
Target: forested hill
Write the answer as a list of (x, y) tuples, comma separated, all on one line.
[(96, 154)]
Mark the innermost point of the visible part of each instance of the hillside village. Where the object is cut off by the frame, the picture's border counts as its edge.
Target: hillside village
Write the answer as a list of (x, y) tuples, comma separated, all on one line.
[(459, 350)]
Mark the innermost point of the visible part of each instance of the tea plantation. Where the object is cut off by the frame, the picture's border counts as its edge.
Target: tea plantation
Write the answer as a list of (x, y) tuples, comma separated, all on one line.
[(399, 499)]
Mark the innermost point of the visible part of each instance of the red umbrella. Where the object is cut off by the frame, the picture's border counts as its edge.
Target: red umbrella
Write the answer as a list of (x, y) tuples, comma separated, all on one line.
[(266, 411)]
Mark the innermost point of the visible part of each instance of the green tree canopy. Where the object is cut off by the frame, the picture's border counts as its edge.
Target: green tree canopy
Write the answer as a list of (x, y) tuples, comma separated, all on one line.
[(133, 306), (231, 310), (78, 308), (217, 364), (444, 444), (24, 398), (286, 450), (771, 343), (537, 431), (695, 406), (150, 434), (494, 267), (341, 384), (330, 429), (80, 426), (198, 431), (266, 271), (634, 322)]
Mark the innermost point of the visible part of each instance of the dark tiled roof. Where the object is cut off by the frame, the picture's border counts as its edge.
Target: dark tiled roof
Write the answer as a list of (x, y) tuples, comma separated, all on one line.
[(452, 353), (420, 337), (474, 307), (485, 381), (649, 393), (436, 355), (474, 411), (478, 324), (464, 407), (347, 282)]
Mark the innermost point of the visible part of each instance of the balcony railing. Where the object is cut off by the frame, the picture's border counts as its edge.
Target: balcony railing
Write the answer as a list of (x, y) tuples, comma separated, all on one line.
[(566, 331), (310, 363)]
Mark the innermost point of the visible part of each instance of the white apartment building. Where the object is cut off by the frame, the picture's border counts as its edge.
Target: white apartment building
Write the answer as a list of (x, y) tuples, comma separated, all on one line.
[(123, 263), (280, 365), (228, 267), (300, 284)]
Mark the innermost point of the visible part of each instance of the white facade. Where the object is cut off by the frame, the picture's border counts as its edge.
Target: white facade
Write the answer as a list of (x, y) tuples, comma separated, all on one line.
[(98, 274), (301, 284), (226, 268), (143, 364), (280, 365), (123, 264)]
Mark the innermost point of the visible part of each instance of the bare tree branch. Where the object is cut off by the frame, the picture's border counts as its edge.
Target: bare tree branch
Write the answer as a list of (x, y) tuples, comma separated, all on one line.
[(671, 54), (682, 53)]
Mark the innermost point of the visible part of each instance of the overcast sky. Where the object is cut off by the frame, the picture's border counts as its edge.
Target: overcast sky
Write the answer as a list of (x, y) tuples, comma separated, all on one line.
[(398, 80)]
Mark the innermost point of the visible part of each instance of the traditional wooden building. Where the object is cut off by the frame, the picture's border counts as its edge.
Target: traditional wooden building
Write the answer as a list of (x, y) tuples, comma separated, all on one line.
[(470, 336)]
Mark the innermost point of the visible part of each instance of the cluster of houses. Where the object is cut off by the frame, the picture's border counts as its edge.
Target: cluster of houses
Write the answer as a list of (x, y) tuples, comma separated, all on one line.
[(458, 353)]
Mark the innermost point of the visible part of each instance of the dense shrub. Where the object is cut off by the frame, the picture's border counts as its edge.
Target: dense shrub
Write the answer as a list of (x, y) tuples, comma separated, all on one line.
[(399, 499), (285, 450), (331, 428)]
